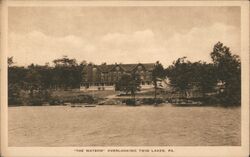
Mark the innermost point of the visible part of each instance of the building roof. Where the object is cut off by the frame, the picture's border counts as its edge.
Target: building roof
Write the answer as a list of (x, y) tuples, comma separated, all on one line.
[(105, 67), (125, 67), (131, 67), (128, 67), (149, 66)]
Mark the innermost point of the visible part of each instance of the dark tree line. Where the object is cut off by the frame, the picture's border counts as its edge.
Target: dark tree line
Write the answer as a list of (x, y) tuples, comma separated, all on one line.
[(218, 82), (224, 73), (228, 70), (39, 80), (184, 75)]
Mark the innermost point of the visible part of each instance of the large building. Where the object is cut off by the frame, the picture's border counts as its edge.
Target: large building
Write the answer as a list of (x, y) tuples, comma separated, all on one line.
[(103, 77)]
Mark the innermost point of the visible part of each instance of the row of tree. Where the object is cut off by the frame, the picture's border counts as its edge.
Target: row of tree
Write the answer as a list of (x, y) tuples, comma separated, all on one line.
[(38, 80), (65, 73), (183, 75), (223, 75), (225, 71)]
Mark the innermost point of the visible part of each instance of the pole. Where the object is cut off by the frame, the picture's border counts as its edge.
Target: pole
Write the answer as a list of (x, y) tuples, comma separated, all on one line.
[(155, 82)]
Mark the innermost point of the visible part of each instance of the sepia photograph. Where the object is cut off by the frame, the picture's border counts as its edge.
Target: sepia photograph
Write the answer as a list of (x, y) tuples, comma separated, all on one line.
[(124, 76)]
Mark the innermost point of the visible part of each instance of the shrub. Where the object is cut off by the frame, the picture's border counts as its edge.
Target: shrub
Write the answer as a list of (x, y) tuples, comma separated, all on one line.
[(14, 97), (14, 100), (36, 101), (56, 101), (80, 99), (229, 99), (151, 101), (72, 99), (129, 101), (39, 97)]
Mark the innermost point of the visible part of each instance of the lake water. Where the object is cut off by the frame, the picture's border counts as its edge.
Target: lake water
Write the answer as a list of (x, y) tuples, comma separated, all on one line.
[(124, 126)]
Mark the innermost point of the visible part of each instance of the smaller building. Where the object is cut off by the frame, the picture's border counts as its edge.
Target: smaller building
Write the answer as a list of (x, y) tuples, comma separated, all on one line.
[(104, 77)]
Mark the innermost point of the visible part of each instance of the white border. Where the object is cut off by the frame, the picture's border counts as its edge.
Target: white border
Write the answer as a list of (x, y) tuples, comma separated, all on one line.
[(45, 3), (178, 151)]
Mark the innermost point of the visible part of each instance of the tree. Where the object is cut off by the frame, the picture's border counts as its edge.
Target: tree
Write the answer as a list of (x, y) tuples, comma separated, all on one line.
[(14, 97), (180, 74), (157, 73), (128, 83), (204, 76), (185, 75), (33, 79), (67, 73), (84, 63), (65, 61), (39, 79), (16, 81), (122, 83), (228, 71), (135, 84), (10, 61)]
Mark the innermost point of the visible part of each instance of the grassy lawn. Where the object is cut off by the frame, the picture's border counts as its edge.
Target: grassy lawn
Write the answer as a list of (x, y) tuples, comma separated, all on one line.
[(123, 126)]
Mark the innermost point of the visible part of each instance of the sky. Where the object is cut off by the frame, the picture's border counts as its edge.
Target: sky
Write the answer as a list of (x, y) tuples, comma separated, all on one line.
[(120, 34)]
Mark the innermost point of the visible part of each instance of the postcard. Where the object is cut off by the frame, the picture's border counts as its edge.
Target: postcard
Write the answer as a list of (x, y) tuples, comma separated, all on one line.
[(124, 78)]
